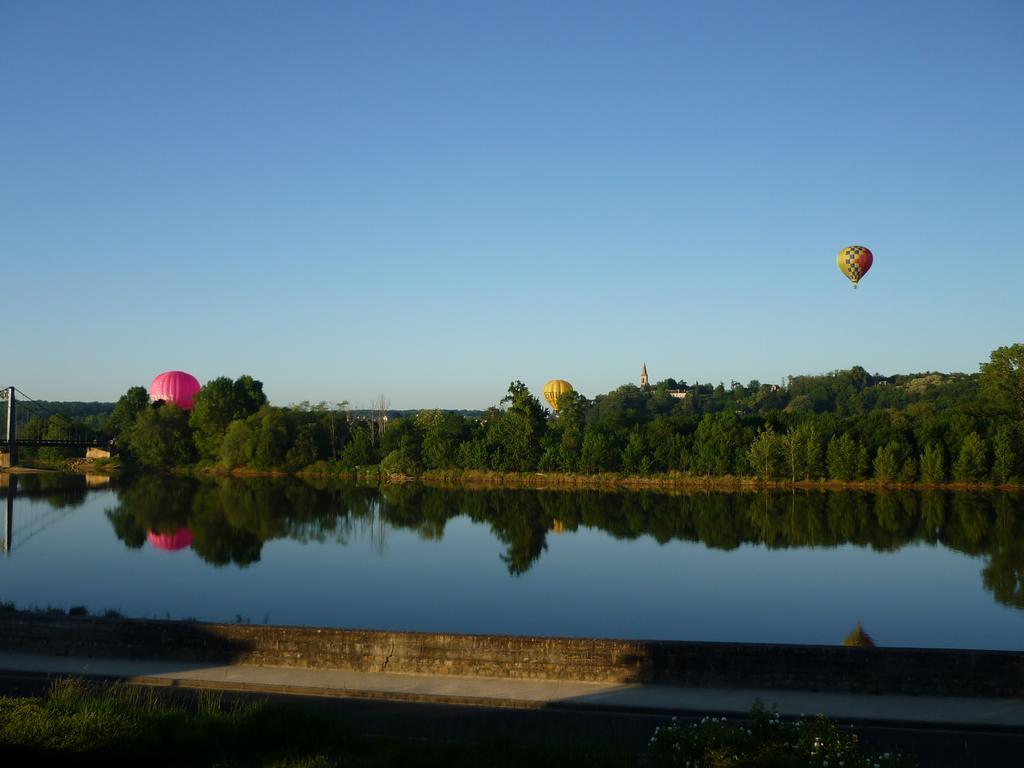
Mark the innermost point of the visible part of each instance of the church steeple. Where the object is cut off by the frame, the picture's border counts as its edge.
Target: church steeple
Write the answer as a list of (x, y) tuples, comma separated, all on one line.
[(643, 377)]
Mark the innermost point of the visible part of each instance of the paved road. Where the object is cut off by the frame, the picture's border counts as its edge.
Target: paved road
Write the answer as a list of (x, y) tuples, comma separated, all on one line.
[(942, 731)]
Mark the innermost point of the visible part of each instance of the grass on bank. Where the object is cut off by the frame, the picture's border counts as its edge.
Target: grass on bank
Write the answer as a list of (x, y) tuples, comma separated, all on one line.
[(79, 723), (483, 479), (82, 723), (667, 481)]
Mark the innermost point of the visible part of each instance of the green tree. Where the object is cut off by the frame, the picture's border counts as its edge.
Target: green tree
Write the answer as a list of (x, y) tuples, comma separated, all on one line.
[(567, 431), (213, 410), (765, 454), (801, 450), (238, 446), (405, 460), (667, 445), (402, 432), (473, 454), (719, 445), (442, 435), (56, 428), (161, 438), (514, 438), (217, 404), (971, 465), (304, 449), (360, 451), (274, 432), (1005, 458), (813, 453), (596, 453), (635, 458), (888, 462), (1002, 378), (249, 397), (908, 472), (846, 458), (128, 407), (933, 464)]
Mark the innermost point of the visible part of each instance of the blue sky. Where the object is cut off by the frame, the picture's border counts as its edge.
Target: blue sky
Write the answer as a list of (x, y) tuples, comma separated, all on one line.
[(429, 200)]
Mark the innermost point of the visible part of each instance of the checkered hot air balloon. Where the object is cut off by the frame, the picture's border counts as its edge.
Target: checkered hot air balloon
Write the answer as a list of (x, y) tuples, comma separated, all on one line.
[(854, 262)]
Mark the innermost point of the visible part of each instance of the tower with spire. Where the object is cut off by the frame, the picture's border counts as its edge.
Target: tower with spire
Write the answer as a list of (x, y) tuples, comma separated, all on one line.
[(643, 377)]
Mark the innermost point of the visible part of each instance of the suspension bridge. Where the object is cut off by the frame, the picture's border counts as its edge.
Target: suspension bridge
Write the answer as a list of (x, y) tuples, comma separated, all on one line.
[(62, 499), (29, 423)]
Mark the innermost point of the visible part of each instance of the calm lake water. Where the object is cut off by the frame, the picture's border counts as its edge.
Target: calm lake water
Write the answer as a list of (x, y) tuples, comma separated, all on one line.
[(916, 569)]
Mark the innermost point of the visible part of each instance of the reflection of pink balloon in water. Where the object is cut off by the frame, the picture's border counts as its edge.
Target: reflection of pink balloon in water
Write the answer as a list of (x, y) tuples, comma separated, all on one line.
[(171, 541), (175, 387)]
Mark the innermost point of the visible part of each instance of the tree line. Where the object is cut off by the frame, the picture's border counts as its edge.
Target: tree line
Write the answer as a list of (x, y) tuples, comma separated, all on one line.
[(846, 425)]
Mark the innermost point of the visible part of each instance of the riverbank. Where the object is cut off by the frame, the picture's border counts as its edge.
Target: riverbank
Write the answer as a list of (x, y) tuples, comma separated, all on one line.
[(472, 479), (673, 481), (77, 466)]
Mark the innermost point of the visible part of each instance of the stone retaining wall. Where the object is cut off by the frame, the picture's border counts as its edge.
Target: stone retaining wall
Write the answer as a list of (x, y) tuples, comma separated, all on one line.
[(797, 667)]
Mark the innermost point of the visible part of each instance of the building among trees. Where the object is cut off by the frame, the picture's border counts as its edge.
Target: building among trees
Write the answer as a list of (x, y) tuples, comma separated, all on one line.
[(679, 394)]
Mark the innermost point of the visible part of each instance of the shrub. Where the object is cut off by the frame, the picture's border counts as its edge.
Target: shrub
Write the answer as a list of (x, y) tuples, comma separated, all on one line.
[(767, 741)]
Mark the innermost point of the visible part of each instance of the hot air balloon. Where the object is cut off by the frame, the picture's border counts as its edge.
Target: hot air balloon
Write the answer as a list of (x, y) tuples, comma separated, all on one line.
[(175, 387), (171, 542), (854, 262), (554, 389)]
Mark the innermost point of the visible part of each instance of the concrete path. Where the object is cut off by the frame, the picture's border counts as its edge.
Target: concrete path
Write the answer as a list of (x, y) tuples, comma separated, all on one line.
[(533, 694)]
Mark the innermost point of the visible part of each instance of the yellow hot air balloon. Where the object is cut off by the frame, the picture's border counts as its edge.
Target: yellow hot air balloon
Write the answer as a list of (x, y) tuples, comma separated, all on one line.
[(854, 262), (554, 389)]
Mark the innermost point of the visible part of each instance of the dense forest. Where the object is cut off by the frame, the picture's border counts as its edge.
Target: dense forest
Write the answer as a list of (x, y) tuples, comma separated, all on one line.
[(846, 425)]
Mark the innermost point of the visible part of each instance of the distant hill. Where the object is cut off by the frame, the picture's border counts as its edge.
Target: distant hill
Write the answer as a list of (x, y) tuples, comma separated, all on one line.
[(365, 413), (77, 409)]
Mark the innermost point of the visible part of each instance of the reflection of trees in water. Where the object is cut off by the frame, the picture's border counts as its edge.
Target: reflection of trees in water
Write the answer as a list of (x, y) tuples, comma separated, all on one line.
[(158, 503), (230, 518), (59, 490), (1004, 573)]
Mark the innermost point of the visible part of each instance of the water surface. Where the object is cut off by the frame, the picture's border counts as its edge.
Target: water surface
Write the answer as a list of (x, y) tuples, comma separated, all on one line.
[(916, 569)]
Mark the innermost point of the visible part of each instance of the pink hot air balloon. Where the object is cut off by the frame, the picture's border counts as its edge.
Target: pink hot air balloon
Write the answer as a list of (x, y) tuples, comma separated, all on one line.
[(171, 542), (175, 387)]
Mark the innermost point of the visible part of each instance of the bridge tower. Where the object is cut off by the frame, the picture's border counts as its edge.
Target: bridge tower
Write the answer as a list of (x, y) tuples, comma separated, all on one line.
[(12, 438), (12, 490)]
